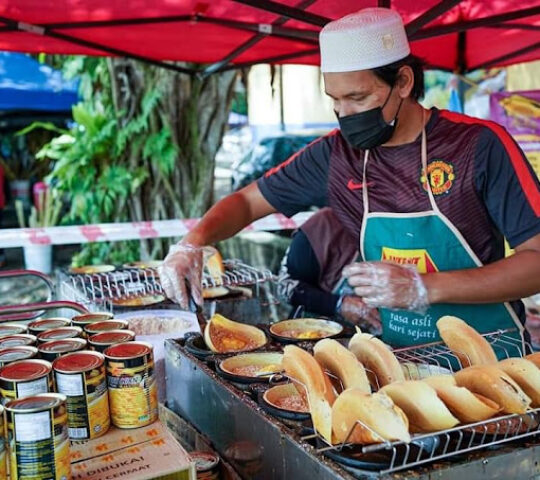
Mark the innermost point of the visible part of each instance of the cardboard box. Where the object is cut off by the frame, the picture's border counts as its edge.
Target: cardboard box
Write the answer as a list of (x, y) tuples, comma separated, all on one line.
[(142, 454), (116, 439)]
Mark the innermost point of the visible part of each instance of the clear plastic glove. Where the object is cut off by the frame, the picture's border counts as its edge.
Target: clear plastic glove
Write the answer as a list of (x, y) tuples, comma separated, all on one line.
[(354, 310), (388, 285), (182, 269)]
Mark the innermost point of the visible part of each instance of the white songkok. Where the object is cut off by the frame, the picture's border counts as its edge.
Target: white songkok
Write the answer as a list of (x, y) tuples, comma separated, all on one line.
[(367, 39)]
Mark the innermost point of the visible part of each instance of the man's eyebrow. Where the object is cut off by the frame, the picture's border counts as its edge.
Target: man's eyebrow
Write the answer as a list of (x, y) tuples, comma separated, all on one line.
[(355, 93)]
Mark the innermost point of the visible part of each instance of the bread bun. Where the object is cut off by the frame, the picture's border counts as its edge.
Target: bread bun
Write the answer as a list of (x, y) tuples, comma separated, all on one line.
[(300, 366), (214, 292), (335, 358), (213, 263), (491, 382), (381, 364), (535, 358), (466, 406), (424, 409), (465, 342), (377, 412), (526, 374)]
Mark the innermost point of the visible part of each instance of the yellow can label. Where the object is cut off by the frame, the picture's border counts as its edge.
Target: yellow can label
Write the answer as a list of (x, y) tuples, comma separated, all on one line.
[(87, 402), (133, 395), (3, 460), (3, 431), (39, 445)]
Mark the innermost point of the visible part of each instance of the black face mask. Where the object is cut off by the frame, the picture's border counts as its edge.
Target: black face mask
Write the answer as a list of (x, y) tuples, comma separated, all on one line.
[(368, 129)]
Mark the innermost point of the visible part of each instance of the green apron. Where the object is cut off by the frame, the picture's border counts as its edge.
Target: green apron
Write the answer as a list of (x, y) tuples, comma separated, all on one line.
[(431, 242)]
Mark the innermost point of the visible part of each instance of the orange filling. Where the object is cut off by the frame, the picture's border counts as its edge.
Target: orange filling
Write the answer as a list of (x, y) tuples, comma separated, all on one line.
[(294, 403), (225, 341), (254, 370), (304, 334), (247, 370)]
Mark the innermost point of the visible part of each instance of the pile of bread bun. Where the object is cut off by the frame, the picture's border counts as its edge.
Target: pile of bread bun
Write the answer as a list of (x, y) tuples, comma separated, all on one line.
[(366, 383)]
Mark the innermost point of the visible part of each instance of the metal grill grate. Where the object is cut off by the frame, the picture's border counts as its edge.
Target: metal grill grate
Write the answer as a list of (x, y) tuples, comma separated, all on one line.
[(445, 444), (101, 289)]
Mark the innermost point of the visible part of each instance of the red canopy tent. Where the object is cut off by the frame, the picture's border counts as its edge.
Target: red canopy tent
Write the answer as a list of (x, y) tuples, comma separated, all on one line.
[(458, 35)]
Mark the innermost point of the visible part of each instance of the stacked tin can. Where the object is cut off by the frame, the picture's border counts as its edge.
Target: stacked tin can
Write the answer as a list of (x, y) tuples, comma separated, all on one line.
[(132, 384), (55, 383), (38, 438), (80, 376), (3, 444)]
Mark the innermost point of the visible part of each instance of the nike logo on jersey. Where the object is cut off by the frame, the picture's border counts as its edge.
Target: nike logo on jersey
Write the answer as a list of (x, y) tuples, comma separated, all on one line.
[(352, 185)]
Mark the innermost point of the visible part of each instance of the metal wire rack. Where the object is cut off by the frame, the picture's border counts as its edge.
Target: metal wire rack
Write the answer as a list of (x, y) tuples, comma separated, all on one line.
[(445, 444), (432, 359), (102, 289)]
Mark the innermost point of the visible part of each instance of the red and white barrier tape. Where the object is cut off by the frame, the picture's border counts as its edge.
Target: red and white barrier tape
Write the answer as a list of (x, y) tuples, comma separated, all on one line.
[(113, 232)]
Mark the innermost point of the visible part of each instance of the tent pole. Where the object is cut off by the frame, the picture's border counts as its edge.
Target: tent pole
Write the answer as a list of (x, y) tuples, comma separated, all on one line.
[(307, 36), (469, 25), (276, 59), (281, 101), (429, 15), (38, 30), (118, 23), (286, 11), (508, 56), (251, 42), (461, 66), (517, 26)]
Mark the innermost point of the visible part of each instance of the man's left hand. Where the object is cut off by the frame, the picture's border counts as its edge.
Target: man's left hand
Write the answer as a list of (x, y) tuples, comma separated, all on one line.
[(388, 285)]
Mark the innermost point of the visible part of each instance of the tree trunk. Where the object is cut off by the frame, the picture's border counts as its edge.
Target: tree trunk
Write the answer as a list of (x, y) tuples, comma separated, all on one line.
[(196, 111)]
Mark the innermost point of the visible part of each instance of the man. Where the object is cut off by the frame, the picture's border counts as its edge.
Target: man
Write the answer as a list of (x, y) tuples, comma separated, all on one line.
[(430, 195), (310, 274)]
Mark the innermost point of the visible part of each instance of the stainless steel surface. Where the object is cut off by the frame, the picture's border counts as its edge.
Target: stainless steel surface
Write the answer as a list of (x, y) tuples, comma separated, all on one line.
[(31, 273), (17, 312), (256, 444), (228, 417), (19, 274), (192, 440)]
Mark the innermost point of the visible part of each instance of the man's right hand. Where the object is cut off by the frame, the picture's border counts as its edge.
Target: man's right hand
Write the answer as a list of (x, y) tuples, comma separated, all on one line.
[(185, 261), (182, 270), (354, 310)]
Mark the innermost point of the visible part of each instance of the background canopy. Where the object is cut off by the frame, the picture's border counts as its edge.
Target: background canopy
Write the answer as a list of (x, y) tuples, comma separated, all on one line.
[(457, 35)]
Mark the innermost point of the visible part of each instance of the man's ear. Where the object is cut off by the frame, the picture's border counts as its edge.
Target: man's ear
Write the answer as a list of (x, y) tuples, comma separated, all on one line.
[(405, 81)]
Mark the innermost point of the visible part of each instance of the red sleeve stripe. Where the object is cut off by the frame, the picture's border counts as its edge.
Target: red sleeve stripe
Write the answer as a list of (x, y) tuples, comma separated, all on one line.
[(273, 170), (525, 177)]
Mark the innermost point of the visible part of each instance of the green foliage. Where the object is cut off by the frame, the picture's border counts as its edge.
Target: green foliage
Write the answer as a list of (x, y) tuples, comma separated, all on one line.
[(143, 147), (239, 103), (18, 152), (92, 160), (160, 147), (116, 253)]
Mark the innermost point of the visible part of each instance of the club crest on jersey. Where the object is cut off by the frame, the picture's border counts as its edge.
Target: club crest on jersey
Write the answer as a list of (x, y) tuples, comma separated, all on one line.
[(417, 257), (440, 175)]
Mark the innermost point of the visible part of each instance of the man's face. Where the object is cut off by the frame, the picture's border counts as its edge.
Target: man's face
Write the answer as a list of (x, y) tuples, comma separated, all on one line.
[(355, 92)]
